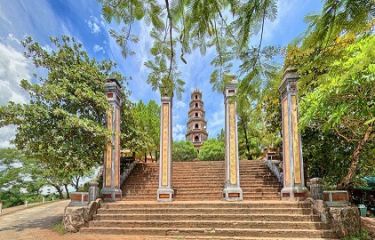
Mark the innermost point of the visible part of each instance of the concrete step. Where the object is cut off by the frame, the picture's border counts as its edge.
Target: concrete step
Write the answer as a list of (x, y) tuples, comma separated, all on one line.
[(129, 189), (303, 211), (196, 198), (214, 204), (254, 184), (227, 217), (205, 194), (170, 231), (235, 224)]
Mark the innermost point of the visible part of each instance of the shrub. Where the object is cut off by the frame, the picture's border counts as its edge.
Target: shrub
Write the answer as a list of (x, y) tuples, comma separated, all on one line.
[(183, 151), (361, 235), (212, 150)]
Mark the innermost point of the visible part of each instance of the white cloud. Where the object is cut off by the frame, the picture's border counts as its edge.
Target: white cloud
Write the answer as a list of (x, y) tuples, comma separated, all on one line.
[(93, 24), (13, 68), (11, 37), (216, 121), (47, 48), (6, 134), (97, 48), (180, 104), (179, 132)]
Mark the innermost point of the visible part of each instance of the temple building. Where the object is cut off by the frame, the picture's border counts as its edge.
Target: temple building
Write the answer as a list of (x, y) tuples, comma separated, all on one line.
[(196, 125)]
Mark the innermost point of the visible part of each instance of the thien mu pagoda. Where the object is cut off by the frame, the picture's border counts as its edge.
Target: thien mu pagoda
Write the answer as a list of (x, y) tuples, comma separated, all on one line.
[(196, 125)]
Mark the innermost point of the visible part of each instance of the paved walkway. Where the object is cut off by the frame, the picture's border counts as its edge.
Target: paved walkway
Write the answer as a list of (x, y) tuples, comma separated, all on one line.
[(36, 224), (17, 225)]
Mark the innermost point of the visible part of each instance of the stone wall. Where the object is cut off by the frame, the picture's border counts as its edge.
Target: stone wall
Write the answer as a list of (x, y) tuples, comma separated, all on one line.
[(369, 225), (344, 220), (76, 217)]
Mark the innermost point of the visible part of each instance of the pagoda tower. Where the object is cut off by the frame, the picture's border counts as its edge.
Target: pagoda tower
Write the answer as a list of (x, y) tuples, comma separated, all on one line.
[(196, 125)]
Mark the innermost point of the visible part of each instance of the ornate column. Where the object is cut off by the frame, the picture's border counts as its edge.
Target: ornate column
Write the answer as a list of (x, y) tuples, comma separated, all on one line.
[(232, 190), (294, 183), (111, 170), (165, 192)]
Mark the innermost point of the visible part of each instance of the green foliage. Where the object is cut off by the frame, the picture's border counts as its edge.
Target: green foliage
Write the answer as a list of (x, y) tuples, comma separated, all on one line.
[(142, 127), (347, 90), (63, 123), (59, 228), (22, 178), (212, 150), (335, 62), (343, 101), (179, 26), (361, 235), (258, 115), (183, 151)]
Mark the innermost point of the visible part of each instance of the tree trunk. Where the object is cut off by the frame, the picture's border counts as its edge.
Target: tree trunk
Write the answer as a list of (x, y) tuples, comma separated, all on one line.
[(75, 182), (58, 189), (67, 191), (246, 141), (346, 181)]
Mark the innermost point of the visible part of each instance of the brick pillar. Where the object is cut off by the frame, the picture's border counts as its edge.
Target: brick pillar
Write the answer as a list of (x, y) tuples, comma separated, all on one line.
[(232, 190), (111, 170), (294, 183), (165, 191)]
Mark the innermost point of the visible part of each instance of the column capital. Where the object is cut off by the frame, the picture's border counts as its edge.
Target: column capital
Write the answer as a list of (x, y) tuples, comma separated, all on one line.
[(112, 90), (289, 82), (166, 98), (230, 88)]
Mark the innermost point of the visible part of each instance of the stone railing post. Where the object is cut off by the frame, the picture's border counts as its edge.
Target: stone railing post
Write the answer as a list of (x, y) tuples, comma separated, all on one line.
[(232, 190), (316, 188), (93, 191), (294, 183), (111, 170), (165, 191)]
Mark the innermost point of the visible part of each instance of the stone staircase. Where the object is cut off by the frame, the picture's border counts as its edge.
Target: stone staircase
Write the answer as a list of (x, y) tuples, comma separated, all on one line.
[(198, 211), (202, 181), (214, 219)]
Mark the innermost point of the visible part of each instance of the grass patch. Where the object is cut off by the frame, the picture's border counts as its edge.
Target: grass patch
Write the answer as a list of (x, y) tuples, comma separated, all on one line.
[(59, 228), (361, 235)]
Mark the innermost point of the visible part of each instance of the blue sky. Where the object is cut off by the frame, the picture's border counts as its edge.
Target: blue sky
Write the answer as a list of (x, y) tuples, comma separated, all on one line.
[(82, 19)]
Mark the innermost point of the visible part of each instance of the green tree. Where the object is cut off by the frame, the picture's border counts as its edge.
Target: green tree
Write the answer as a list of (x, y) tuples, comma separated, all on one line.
[(183, 151), (62, 125), (212, 150), (344, 100), (337, 84), (147, 125), (22, 178)]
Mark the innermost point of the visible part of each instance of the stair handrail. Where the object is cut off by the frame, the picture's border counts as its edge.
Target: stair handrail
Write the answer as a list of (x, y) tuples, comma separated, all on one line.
[(127, 172), (273, 168)]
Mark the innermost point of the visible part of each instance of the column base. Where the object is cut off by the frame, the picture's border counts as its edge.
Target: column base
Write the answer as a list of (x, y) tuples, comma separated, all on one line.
[(296, 193), (111, 194), (165, 194), (232, 193)]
